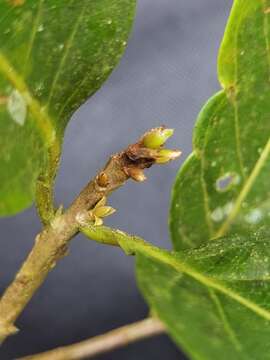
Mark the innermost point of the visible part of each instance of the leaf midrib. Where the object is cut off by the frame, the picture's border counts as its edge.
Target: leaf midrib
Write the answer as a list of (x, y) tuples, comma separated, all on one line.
[(33, 33), (256, 169), (245, 190), (168, 259), (42, 120), (68, 47)]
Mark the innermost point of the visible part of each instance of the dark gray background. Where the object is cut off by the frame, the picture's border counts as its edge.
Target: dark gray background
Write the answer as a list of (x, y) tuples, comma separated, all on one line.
[(167, 73)]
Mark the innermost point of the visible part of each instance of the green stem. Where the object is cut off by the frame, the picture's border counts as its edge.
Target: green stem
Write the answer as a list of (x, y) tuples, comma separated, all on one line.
[(114, 237)]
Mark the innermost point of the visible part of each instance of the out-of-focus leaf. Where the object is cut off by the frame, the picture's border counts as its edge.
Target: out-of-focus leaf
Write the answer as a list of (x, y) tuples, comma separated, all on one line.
[(53, 56), (224, 185)]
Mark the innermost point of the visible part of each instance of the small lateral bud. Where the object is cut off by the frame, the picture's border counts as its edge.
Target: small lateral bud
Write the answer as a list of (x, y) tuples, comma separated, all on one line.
[(101, 202), (104, 211), (156, 138), (102, 180), (98, 221), (136, 174), (167, 155), (6, 330), (59, 211), (100, 211)]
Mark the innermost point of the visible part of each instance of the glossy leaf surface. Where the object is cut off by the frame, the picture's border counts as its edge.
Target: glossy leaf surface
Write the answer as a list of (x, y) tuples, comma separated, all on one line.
[(224, 185), (215, 300), (53, 56)]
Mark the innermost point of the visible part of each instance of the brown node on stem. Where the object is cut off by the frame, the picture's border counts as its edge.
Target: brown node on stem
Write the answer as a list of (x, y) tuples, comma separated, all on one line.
[(146, 152), (103, 180), (138, 158), (135, 173)]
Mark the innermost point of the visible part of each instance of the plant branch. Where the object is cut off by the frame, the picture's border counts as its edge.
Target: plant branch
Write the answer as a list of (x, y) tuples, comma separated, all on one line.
[(51, 243), (104, 343)]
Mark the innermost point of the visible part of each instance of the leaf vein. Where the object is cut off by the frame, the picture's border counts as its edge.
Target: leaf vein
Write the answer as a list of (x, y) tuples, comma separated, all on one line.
[(5, 15), (75, 92), (66, 53), (227, 327), (43, 121), (175, 263), (265, 29), (33, 33)]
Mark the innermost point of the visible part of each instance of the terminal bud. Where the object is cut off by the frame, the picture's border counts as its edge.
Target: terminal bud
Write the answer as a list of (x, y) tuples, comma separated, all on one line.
[(157, 137)]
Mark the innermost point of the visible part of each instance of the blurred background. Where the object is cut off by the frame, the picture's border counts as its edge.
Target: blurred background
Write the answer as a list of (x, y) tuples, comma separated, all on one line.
[(165, 76)]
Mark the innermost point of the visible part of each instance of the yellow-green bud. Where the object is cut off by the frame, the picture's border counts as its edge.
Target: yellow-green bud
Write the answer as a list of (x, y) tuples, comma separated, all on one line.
[(103, 211), (100, 211), (166, 155), (98, 221), (101, 202), (155, 138)]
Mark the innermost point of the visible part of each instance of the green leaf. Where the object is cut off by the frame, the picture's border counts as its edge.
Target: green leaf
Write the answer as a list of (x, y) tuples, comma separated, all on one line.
[(224, 185), (53, 56), (215, 300)]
